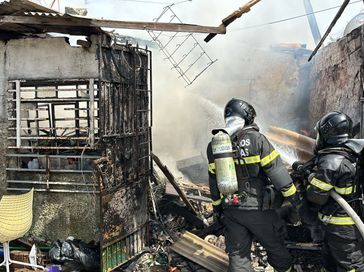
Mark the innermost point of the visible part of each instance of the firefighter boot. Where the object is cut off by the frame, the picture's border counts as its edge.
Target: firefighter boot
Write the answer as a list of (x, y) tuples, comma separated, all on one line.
[(238, 263)]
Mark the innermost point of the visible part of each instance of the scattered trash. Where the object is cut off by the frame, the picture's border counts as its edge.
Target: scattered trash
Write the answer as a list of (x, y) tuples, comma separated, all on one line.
[(33, 255), (180, 240), (54, 268)]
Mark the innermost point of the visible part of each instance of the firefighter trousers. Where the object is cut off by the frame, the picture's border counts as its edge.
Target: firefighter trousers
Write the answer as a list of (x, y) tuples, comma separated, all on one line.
[(342, 249), (241, 226)]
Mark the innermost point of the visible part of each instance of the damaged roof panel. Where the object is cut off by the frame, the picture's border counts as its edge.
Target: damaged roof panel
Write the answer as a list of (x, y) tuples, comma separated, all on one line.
[(21, 18), (26, 8), (14, 7)]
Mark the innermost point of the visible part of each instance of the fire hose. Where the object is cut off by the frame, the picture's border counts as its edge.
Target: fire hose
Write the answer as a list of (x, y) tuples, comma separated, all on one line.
[(302, 144), (345, 205)]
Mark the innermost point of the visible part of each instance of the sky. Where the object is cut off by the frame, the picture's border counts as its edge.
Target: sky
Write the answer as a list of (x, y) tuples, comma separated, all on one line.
[(211, 12)]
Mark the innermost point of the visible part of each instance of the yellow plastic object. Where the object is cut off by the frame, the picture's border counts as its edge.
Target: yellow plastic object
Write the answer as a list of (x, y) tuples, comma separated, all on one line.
[(16, 214)]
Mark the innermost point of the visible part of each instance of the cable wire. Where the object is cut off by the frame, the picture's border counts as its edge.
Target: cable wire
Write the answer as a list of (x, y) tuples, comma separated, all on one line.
[(149, 2), (141, 1), (291, 18)]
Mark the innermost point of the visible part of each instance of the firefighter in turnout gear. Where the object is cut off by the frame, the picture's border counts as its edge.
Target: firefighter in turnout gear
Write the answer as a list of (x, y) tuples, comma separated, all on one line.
[(248, 213), (335, 169)]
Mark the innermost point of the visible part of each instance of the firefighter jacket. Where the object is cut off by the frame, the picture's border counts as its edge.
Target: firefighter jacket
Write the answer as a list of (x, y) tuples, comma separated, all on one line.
[(257, 165), (335, 169)]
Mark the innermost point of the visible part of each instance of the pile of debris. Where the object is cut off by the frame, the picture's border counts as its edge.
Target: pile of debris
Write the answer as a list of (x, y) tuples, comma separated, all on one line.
[(185, 236)]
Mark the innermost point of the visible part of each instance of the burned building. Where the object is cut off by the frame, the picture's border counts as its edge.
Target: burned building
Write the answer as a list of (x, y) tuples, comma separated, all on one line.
[(336, 78), (76, 126)]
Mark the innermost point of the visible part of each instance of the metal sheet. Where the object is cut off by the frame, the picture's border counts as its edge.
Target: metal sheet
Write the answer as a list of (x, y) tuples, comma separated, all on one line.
[(20, 7), (201, 252)]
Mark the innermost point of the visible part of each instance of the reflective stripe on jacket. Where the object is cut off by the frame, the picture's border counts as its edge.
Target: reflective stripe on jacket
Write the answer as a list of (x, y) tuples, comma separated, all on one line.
[(333, 171), (258, 164)]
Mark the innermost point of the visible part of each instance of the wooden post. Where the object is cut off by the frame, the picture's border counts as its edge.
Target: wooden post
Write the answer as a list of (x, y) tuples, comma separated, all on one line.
[(174, 183)]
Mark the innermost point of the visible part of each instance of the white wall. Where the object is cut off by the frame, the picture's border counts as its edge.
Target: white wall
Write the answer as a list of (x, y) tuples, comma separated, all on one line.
[(49, 58)]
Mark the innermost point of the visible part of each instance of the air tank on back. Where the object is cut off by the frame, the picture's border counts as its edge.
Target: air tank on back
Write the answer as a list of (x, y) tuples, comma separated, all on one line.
[(224, 163)]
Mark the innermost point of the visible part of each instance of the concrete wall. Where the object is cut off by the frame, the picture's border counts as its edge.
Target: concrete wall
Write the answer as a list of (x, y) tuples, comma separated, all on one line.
[(49, 58), (335, 79), (60, 215), (56, 215)]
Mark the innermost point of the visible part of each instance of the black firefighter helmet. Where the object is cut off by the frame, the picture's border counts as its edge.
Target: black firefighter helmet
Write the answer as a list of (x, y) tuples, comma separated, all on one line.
[(240, 108), (334, 128)]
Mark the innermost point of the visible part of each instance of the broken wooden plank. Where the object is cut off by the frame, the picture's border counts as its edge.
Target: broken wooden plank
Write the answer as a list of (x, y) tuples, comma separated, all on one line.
[(171, 191), (173, 181), (233, 16), (72, 21), (201, 252)]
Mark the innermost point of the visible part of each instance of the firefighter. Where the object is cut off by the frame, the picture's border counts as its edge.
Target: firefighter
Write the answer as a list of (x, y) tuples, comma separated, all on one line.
[(335, 169), (248, 213)]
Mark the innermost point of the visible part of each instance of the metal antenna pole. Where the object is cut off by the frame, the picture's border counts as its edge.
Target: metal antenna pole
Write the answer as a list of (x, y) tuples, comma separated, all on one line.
[(336, 18), (312, 21)]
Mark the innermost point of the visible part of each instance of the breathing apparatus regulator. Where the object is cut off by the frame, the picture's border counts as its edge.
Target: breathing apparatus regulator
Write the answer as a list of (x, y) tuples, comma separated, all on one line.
[(222, 151)]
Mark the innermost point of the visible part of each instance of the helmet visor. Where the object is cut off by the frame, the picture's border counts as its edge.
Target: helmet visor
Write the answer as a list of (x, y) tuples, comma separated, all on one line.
[(319, 140)]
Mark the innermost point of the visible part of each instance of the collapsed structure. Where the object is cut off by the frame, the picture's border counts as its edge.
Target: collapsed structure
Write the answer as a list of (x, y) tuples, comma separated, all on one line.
[(76, 126)]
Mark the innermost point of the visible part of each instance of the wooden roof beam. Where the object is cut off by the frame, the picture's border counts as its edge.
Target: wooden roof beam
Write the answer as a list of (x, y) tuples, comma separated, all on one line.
[(233, 16), (72, 21)]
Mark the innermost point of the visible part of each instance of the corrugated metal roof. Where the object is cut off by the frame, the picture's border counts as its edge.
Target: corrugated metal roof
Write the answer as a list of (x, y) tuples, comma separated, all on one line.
[(14, 7), (205, 254), (28, 8)]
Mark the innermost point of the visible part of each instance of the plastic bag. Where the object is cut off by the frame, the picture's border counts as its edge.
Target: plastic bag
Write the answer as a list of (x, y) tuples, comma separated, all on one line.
[(76, 255)]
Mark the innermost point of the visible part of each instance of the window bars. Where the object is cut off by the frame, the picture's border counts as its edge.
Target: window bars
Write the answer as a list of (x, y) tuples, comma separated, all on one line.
[(183, 51)]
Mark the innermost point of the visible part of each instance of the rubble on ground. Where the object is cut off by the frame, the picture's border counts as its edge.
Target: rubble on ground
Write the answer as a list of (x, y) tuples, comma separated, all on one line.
[(172, 224), (175, 220)]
